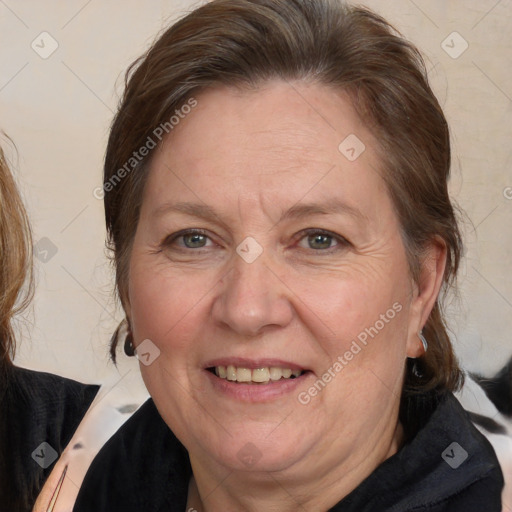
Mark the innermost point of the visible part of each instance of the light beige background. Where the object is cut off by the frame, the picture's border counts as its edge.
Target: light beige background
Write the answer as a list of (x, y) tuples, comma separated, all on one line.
[(58, 110)]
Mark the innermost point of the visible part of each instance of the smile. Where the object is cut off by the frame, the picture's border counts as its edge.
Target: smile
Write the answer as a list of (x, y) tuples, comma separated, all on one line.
[(264, 375)]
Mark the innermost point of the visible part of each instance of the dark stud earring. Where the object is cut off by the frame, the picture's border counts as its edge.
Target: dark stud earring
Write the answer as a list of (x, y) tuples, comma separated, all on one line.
[(129, 348)]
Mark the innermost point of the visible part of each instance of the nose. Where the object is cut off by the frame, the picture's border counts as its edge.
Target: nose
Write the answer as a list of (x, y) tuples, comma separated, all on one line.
[(252, 299)]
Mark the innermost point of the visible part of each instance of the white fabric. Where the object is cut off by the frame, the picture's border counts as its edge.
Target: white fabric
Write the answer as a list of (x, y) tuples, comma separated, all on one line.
[(473, 399)]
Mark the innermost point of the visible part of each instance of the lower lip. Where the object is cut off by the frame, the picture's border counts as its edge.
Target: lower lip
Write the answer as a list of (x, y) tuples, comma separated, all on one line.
[(256, 392)]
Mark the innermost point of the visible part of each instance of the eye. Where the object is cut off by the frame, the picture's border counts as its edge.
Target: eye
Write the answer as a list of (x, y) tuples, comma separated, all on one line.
[(321, 240), (194, 240), (188, 239)]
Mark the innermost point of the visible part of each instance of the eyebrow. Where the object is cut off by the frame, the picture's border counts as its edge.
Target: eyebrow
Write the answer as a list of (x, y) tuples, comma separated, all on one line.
[(193, 209), (333, 206), (298, 211)]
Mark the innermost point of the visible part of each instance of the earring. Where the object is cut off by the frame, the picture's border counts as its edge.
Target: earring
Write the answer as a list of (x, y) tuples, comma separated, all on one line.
[(423, 340), (415, 367), (129, 348)]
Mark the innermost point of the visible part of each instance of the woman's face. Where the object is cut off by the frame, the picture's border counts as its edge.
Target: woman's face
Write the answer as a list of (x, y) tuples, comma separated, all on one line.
[(267, 246)]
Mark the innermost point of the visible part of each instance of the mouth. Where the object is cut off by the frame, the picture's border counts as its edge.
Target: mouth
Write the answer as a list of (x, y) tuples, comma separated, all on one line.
[(259, 380), (263, 375)]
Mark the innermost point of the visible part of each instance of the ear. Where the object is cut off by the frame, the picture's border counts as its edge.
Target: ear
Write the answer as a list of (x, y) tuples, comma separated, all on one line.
[(425, 293), (127, 311), (124, 298)]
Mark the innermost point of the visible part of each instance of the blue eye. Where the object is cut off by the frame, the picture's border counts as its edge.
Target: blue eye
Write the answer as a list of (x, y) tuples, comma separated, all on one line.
[(320, 240), (316, 240), (188, 239), (194, 240)]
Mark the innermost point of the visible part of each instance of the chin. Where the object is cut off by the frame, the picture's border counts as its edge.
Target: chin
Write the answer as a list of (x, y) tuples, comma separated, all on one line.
[(258, 453)]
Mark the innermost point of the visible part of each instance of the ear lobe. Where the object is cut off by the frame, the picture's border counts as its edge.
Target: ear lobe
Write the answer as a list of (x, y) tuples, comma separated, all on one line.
[(427, 291)]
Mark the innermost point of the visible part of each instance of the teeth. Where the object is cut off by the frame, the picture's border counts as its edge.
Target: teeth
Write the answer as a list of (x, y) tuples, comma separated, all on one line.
[(231, 372), (261, 375), (258, 375), (243, 375), (275, 373)]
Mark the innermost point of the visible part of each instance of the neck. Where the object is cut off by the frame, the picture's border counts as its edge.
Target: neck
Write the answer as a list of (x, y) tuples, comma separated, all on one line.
[(285, 491)]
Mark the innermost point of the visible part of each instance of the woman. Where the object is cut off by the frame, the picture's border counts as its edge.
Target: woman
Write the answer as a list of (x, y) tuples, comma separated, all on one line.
[(276, 200), (38, 411)]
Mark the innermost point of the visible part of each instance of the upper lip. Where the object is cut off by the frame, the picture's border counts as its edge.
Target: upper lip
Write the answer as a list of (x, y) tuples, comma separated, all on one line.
[(254, 364)]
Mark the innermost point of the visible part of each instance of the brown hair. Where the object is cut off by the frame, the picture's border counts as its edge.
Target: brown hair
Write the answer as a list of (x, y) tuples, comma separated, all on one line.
[(246, 42), (16, 258)]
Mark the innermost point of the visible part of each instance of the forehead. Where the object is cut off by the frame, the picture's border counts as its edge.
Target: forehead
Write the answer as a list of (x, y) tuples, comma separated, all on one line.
[(279, 144)]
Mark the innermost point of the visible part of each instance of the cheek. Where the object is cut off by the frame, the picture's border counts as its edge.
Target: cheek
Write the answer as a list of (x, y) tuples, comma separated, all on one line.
[(164, 306), (166, 309), (347, 304), (364, 358), (365, 315)]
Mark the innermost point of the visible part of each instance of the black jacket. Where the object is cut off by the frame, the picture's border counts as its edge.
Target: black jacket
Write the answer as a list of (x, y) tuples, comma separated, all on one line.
[(35, 408), (145, 468)]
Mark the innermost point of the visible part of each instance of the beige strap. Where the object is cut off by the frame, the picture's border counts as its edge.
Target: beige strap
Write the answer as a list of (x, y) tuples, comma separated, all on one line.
[(108, 411)]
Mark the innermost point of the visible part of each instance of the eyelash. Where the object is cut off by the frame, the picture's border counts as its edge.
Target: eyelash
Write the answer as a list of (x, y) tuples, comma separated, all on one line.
[(341, 241), (180, 234)]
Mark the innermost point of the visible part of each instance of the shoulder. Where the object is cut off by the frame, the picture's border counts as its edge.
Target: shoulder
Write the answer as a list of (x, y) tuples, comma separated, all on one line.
[(30, 385), (452, 425), (39, 414), (48, 399), (447, 466), (142, 467), (455, 467)]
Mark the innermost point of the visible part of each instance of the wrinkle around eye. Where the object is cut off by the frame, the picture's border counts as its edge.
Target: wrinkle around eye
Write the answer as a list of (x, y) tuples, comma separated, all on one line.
[(174, 245)]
